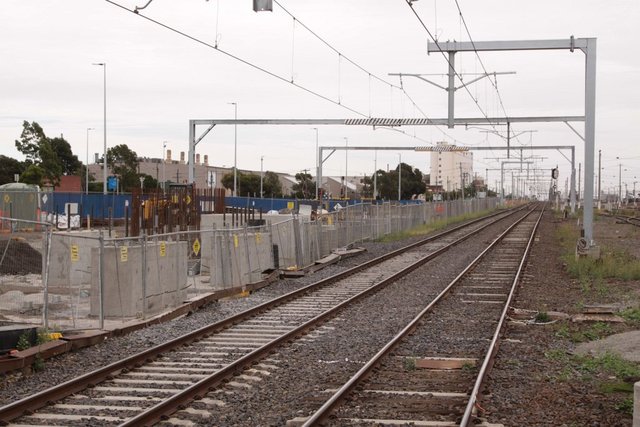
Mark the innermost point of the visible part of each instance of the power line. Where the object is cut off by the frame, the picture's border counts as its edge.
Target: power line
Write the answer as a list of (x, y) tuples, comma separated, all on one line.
[(272, 74), (410, 4), (244, 61), (494, 84)]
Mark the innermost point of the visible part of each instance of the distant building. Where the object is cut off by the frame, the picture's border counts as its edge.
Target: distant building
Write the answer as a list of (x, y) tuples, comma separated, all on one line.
[(69, 184), (207, 176), (448, 168)]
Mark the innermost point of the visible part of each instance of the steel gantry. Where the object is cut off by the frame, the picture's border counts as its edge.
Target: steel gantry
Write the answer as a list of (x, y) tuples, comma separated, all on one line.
[(586, 45), (453, 148)]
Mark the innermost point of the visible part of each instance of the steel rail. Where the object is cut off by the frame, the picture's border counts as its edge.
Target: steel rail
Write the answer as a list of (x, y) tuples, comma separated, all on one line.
[(495, 343), (329, 406), (45, 397), (173, 403)]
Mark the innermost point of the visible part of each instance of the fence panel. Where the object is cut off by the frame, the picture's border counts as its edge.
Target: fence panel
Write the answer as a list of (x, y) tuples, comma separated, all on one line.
[(23, 252)]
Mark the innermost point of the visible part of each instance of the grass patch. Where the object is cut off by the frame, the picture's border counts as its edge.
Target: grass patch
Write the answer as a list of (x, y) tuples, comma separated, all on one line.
[(631, 315), (590, 272), (608, 365), (592, 332), (424, 229), (542, 317), (409, 364), (626, 406)]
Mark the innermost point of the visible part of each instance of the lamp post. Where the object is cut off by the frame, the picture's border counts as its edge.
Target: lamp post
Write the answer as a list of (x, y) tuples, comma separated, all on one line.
[(399, 176), (346, 164), (235, 149), (261, 175), (317, 164), (104, 159), (86, 183), (375, 175)]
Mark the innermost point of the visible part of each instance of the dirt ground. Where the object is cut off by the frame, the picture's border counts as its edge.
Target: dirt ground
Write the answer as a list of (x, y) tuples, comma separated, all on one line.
[(17, 257), (541, 376)]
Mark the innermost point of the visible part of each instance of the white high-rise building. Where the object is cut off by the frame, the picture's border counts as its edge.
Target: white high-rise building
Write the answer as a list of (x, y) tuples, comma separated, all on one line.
[(448, 168)]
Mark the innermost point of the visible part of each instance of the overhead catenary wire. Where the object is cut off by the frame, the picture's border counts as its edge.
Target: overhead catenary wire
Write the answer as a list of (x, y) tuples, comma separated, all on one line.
[(433, 38), (494, 84), (272, 74)]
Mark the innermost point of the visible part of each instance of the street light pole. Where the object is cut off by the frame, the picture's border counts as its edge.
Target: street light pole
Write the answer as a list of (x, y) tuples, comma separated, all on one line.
[(317, 164), (104, 160), (346, 160), (261, 175), (235, 149), (399, 176), (86, 184), (375, 175)]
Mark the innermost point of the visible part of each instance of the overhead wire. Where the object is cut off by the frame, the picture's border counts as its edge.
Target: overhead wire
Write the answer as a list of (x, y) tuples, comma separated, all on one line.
[(494, 84), (342, 56), (284, 79)]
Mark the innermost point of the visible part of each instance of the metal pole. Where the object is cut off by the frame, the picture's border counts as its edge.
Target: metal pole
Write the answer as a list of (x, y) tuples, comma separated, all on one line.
[(317, 165), (235, 149), (164, 161), (400, 177), (451, 89), (579, 182), (346, 164), (599, 176), (619, 183), (101, 279), (589, 129), (261, 177), (86, 183), (375, 175), (104, 160)]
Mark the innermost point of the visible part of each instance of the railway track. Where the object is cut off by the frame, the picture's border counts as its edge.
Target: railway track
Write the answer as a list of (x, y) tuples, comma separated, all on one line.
[(151, 385), (430, 374)]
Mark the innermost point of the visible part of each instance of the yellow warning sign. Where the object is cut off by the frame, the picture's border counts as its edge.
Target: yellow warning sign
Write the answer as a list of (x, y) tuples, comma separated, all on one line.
[(7, 199), (258, 238), (163, 249), (235, 240), (124, 254), (75, 256), (291, 205), (188, 199), (196, 246)]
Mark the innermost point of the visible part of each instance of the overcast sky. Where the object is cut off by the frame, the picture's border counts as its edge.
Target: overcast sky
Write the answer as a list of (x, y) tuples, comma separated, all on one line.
[(157, 80)]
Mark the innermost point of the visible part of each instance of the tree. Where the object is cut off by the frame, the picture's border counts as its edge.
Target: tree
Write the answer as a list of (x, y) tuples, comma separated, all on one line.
[(69, 161), (42, 162), (8, 168), (387, 183), (271, 186), (250, 183), (305, 187), (30, 139), (123, 162)]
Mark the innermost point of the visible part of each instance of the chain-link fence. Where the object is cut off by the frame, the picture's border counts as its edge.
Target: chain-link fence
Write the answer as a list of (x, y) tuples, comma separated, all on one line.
[(83, 279), (23, 252)]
